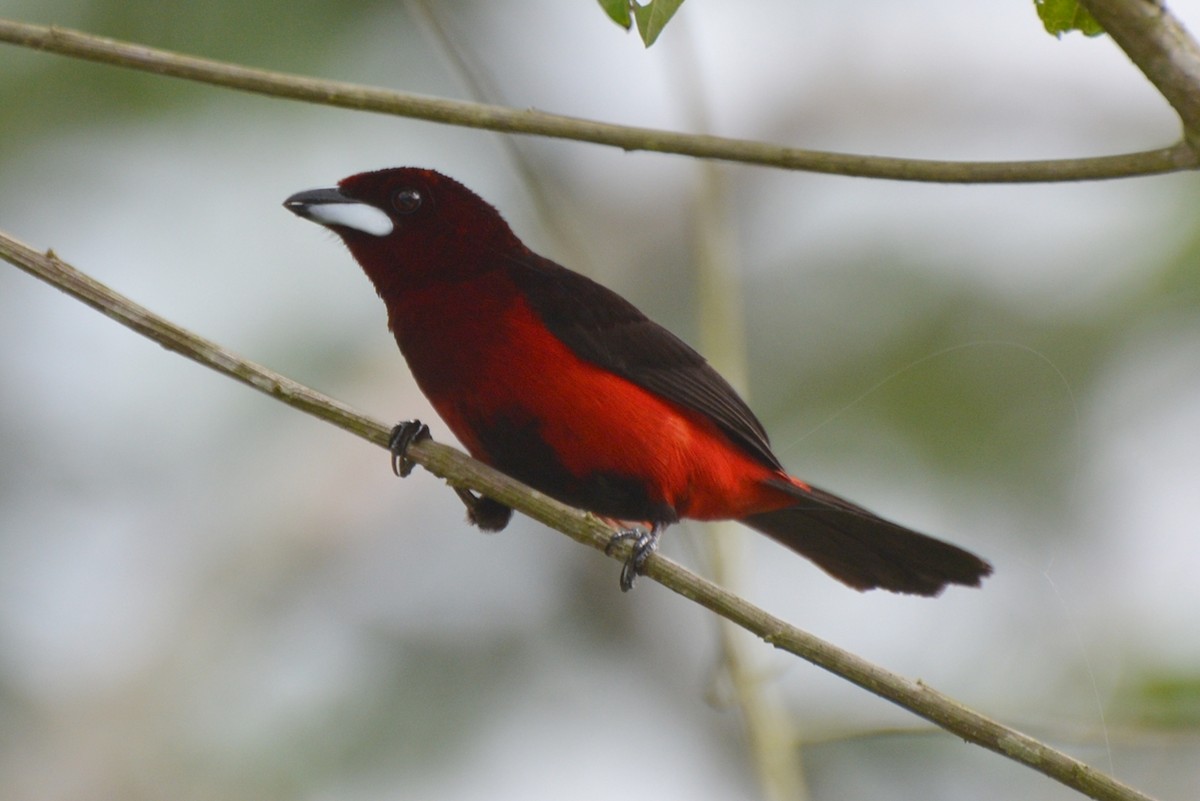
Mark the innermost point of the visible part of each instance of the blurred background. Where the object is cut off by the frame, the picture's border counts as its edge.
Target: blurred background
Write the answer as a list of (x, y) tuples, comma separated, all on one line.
[(207, 595)]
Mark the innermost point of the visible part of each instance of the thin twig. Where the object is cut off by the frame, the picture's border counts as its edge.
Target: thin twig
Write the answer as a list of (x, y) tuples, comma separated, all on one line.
[(460, 470), (77, 44), (770, 733)]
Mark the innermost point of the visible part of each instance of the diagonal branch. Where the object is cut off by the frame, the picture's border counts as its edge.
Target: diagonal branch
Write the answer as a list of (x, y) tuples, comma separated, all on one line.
[(532, 122), (460, 470), (1156, 41)]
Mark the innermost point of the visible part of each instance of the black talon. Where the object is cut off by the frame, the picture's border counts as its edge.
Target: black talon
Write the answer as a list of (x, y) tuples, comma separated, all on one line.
[(644, 543), (403, 435)]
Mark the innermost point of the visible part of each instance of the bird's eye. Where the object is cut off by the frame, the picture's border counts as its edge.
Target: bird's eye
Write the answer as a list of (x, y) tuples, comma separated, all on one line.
[(407, 200)]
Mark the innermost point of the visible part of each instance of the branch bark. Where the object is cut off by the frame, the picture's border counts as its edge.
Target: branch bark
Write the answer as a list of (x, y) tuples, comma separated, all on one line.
[(460, 470), (77, 44), (1156, 41)]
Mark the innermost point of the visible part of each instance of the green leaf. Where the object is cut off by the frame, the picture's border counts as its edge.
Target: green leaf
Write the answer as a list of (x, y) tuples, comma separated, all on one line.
[(1064, 16), (617, 11), (653, 17)]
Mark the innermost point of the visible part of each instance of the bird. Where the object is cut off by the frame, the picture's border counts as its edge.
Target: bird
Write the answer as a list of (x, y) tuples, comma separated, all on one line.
[(564, 385)]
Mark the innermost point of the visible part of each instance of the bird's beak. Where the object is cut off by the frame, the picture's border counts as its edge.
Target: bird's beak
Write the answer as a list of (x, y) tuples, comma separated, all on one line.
[(329, 207)]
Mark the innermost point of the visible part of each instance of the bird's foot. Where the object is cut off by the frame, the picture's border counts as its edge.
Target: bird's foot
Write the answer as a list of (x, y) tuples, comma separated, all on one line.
[(645, 542), (403, 435), (484, 512)]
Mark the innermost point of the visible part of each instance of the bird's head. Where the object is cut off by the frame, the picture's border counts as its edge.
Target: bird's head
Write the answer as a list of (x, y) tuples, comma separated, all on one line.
[(408, 226)]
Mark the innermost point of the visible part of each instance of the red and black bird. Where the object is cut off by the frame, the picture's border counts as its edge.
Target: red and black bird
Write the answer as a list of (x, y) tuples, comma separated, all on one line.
[(563, 384)]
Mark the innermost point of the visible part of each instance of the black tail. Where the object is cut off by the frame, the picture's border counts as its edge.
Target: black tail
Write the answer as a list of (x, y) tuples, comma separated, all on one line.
[(864, 550)]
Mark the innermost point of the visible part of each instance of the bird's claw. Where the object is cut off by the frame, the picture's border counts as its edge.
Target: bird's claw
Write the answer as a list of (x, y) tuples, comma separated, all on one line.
[(403, 435), (484, 512), (645, 542)]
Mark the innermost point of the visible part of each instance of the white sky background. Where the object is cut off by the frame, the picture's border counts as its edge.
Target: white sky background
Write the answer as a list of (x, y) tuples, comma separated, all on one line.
[(199, 586)]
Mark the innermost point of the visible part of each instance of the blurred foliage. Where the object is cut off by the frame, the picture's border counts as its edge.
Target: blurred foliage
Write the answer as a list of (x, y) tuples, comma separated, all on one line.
[(58, 92), (1160, 700), (999, 408), (978, 384), (1174, 288)]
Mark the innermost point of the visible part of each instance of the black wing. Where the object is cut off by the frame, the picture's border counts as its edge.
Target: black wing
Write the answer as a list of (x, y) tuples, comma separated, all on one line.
[(603, 328)]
